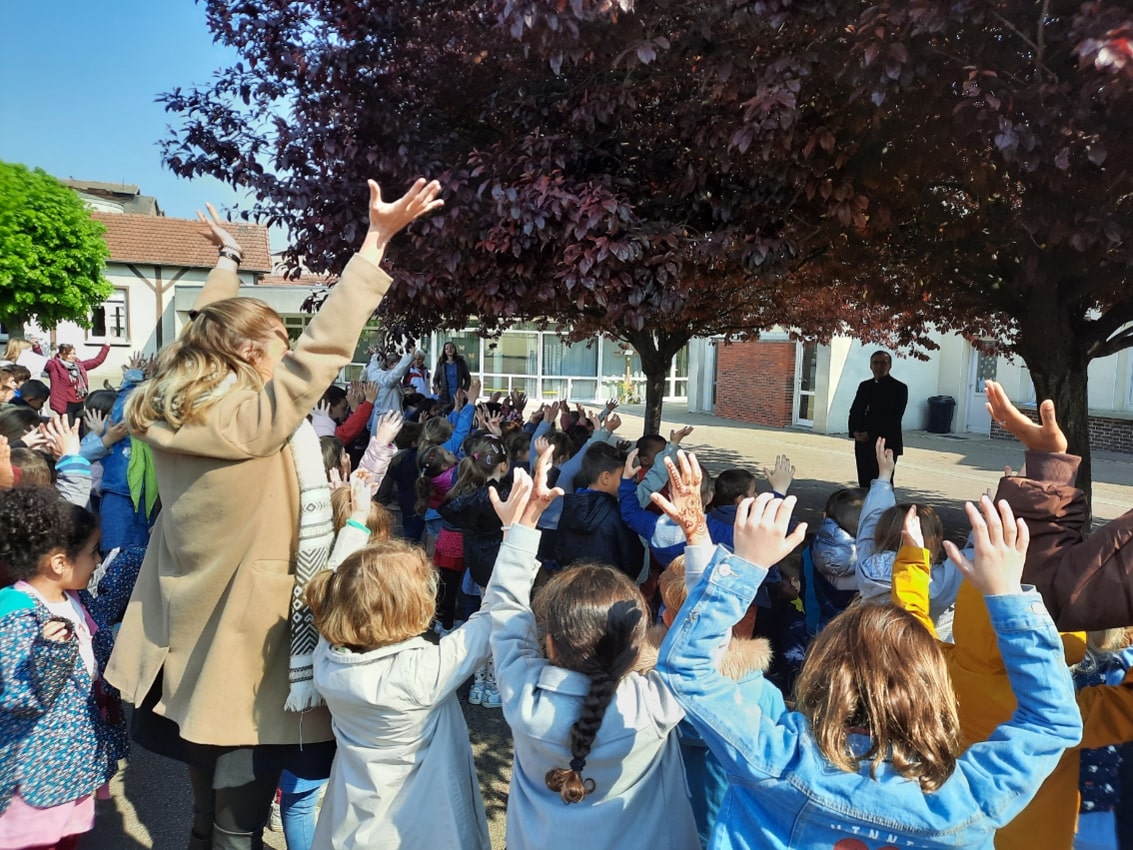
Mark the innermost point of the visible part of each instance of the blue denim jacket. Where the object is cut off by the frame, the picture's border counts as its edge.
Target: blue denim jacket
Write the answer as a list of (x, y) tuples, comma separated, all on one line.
[(785, 794)]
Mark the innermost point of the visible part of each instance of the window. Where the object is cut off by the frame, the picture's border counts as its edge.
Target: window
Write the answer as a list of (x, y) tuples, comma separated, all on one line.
[(110, 321)]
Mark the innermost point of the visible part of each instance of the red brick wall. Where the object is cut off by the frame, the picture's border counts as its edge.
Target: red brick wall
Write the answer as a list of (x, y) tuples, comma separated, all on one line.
[(755, 382)]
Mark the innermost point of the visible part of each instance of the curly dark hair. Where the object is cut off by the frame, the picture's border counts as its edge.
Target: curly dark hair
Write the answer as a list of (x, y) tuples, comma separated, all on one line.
[(34, 522)]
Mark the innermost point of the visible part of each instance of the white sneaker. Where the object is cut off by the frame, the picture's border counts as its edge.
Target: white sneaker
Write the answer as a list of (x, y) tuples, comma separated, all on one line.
[(476, 692), (275, 822), (491, 698)]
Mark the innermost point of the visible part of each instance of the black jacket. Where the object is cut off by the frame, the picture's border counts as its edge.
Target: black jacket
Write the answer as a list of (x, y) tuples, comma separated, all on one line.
[(591, 529), (473, 515), (877, 410)]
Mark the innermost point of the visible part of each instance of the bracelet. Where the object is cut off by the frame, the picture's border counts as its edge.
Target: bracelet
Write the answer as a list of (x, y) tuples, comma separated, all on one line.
[(353, 523), (230, 254)]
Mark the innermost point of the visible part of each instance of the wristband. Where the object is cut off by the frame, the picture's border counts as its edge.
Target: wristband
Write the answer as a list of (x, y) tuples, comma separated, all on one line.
[(353, 523), (230, 254)]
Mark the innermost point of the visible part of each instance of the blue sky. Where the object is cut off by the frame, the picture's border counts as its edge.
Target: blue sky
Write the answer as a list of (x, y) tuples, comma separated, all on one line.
[(77, 87)]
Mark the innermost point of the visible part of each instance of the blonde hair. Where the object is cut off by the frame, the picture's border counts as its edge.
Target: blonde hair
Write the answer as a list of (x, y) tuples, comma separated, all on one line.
[(381, 595), (876, 669), (192, 374), (672, 584), (15, 348), (380, 522)]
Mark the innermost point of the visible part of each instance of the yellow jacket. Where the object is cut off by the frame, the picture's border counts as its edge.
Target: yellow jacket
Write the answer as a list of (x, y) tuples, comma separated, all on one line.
[(983, 692)]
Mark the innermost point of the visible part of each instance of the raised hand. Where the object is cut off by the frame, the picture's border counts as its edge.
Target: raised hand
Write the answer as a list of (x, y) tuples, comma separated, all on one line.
[(761, 529), (495, 397), (387, 219), (474, 390), (1000, 542), (1044, 437), (613, 422), (911, 533), (94, 420), (115, 432), (886, 463), (611, 404), (36, 439), (389, 426), (217, 235), (551, 412), (361, 494), (541, 445), (510, 510), (675, 437), (684, 506), (631, 465), (781, 475), (541, 495), (62, 436), (492, 423)]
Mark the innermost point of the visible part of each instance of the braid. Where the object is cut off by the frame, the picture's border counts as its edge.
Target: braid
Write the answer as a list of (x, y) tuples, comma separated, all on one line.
[(568, 781)]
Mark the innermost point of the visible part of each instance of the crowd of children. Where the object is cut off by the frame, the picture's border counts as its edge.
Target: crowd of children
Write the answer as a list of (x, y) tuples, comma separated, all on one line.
[(680, 663)]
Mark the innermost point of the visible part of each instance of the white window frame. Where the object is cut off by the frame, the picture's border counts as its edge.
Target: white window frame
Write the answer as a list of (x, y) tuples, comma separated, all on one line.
[(121, 297)]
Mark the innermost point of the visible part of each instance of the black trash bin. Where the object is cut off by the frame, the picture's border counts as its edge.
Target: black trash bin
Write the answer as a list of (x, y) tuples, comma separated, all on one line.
[(940, 410)]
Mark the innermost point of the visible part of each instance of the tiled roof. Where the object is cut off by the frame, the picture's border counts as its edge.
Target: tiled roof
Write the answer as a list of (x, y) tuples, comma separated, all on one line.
[(179, 242)]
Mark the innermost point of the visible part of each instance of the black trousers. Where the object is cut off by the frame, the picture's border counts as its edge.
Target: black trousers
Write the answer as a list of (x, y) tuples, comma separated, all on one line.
[(865, 453)]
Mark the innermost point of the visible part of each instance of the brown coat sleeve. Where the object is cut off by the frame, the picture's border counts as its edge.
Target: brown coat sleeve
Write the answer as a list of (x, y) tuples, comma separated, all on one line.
[(1086, 582), (256, 424)]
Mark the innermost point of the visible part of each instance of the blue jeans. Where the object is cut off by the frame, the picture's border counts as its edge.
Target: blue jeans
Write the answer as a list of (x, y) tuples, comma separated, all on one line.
[(297, 809)]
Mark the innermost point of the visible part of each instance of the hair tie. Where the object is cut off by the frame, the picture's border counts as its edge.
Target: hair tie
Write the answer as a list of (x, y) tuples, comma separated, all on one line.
[(577, 764), (475, 455)]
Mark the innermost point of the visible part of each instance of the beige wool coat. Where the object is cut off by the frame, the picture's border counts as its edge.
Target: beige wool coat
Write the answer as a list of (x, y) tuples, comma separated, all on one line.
[(210, 608)]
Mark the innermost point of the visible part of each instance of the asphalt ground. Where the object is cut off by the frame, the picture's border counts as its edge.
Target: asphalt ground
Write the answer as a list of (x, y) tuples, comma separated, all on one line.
[(150, 797)]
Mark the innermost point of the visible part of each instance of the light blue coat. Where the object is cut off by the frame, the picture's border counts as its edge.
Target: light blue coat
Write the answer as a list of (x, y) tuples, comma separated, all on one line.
[(785, 794)]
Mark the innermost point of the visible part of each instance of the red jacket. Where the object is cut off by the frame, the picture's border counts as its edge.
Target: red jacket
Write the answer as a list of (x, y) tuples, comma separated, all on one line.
[(63, 388)]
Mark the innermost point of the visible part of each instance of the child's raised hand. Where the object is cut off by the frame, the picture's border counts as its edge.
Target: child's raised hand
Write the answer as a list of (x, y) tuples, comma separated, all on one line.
[(115, 432), (684, 506), (911, 533), (1000, 543), (94, 420), (510, 510), (390, 424), (613, 422), (781, 475), (675, 437), (631, 465), (361, 494), (541, 494), (885, 461), (761, 529), (1045, 437), (62, 436)]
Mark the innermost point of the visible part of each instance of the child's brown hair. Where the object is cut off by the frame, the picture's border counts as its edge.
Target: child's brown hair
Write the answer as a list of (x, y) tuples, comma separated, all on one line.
[(887, 532), (34, 469), (875, 668), (381, 595), (592, 618)]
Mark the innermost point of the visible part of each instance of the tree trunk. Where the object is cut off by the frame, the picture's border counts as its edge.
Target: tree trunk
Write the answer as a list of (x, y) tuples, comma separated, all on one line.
[(1064, 380), (656, 350), (14, 326)]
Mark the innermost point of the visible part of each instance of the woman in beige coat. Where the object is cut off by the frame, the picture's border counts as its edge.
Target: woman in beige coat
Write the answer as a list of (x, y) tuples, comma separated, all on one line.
[(203, 651)]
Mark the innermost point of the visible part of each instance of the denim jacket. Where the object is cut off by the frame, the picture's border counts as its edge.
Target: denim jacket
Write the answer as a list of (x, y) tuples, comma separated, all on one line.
[(787, 794)]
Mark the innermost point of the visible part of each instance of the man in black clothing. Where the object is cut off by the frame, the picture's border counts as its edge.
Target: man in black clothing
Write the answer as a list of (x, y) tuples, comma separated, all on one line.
[(876, 412)]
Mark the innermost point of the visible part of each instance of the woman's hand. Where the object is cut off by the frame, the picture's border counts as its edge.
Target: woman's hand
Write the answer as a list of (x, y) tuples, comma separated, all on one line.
[(387, 219), (221, 238), (684, 506), (1000, 543), (761, 529)]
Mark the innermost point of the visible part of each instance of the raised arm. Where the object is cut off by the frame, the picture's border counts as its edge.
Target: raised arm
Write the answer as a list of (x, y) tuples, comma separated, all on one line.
[(749, 744), (258, 424)]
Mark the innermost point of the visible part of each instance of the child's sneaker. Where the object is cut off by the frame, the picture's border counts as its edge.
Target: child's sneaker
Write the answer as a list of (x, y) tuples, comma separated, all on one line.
[(476, 692), (275, 822), (491, 698)]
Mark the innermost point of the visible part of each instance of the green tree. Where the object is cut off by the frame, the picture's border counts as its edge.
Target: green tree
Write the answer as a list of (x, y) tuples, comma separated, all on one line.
[(52, 253)]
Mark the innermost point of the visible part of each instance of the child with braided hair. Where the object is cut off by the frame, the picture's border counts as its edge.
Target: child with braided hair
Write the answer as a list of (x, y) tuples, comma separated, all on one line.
[(593, 730)]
